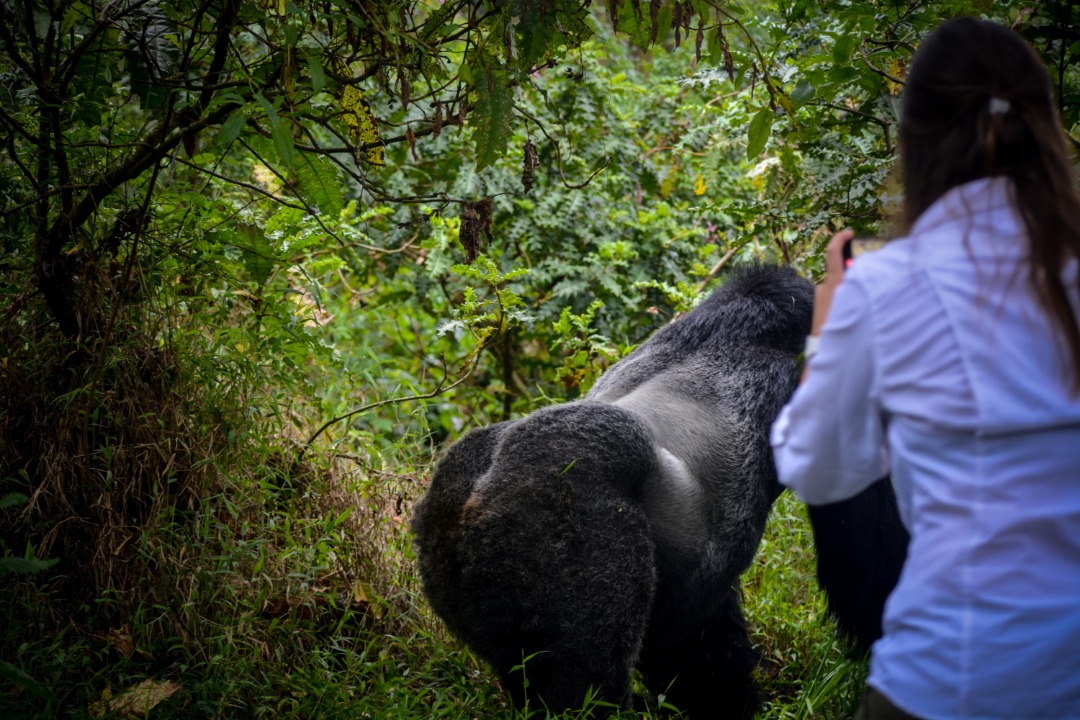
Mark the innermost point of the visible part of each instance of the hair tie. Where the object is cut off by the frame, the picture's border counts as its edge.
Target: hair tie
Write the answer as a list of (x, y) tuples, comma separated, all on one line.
[(999, 106)]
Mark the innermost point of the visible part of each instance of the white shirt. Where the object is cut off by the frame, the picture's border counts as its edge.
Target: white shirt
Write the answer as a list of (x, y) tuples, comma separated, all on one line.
[(936, 348)]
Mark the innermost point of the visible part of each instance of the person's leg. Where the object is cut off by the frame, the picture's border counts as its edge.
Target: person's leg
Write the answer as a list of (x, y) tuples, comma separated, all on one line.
[(875, 706)]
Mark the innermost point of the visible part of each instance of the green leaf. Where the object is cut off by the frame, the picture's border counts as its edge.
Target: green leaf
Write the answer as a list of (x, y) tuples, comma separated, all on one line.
[(318, 75), (803, 93), (636, 23), (843, 48), (317, 180), (257, 253), (268, 108), (533, 36), (760, 127), (24, 566), (492, 115), (283, 142), (230, 129), (12, 499)]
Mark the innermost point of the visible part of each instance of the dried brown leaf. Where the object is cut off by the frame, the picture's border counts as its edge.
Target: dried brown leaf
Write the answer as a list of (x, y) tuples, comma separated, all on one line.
[(120, 639), (138, 700), (529, 162), (475, 219)]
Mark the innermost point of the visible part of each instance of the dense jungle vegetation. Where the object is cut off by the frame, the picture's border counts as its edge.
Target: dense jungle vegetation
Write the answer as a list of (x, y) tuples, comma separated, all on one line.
[(261, 260)]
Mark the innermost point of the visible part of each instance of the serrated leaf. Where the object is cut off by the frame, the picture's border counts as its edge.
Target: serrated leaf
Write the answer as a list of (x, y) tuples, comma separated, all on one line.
[(532, 37), (636, 23), (256, 251), (760, 127), (492, 115), (318, 182), (24, 566)]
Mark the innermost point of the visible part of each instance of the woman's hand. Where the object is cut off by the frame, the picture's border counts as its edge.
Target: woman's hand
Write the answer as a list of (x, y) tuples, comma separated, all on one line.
[(834, 274)]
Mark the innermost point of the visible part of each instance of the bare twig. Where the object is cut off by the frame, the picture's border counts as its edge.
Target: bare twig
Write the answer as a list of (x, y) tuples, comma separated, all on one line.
[(715, 269), (875, 68)]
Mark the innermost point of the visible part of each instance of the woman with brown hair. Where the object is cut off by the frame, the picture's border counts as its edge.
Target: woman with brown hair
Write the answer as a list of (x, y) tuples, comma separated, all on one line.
[(951, 358)]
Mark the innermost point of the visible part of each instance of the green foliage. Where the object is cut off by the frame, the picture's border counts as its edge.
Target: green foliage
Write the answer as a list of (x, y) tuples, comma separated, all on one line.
[(259, 261)]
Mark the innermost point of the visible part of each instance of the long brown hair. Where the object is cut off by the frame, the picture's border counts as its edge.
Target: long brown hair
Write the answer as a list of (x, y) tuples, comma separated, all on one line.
[(949, 136)]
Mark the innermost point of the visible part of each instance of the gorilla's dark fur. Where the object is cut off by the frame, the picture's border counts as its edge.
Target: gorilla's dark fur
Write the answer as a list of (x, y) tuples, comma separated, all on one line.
[(610, 533)]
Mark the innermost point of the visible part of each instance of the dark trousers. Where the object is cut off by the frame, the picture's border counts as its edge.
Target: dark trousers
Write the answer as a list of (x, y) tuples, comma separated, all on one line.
[(875, 706)]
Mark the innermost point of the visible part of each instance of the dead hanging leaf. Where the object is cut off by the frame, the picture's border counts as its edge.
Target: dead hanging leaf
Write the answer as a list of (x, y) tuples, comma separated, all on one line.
[(529, 161), (475, 219), (137, 701), (437, 121), (676, 20), (729, 61), (898, 70), (410, 136)]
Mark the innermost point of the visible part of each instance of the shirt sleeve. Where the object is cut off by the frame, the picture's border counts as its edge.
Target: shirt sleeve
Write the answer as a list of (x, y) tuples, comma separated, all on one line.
[(829, 440)]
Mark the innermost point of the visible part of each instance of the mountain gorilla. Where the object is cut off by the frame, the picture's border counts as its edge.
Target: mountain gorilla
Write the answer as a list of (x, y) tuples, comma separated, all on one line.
[(590, 538)]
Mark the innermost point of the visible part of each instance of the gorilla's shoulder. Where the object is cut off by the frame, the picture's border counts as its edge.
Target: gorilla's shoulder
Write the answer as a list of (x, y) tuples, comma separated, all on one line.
[(760, 305)]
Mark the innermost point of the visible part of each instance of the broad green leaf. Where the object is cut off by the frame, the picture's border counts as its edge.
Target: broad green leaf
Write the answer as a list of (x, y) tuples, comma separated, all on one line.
[(318, 182), (283, 141), (230, 129), (636, 23), (267, 107), (12, 499), (803, 93), (843, 48), (318, 76), (257, 253), (532, 38), (760, 127)]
